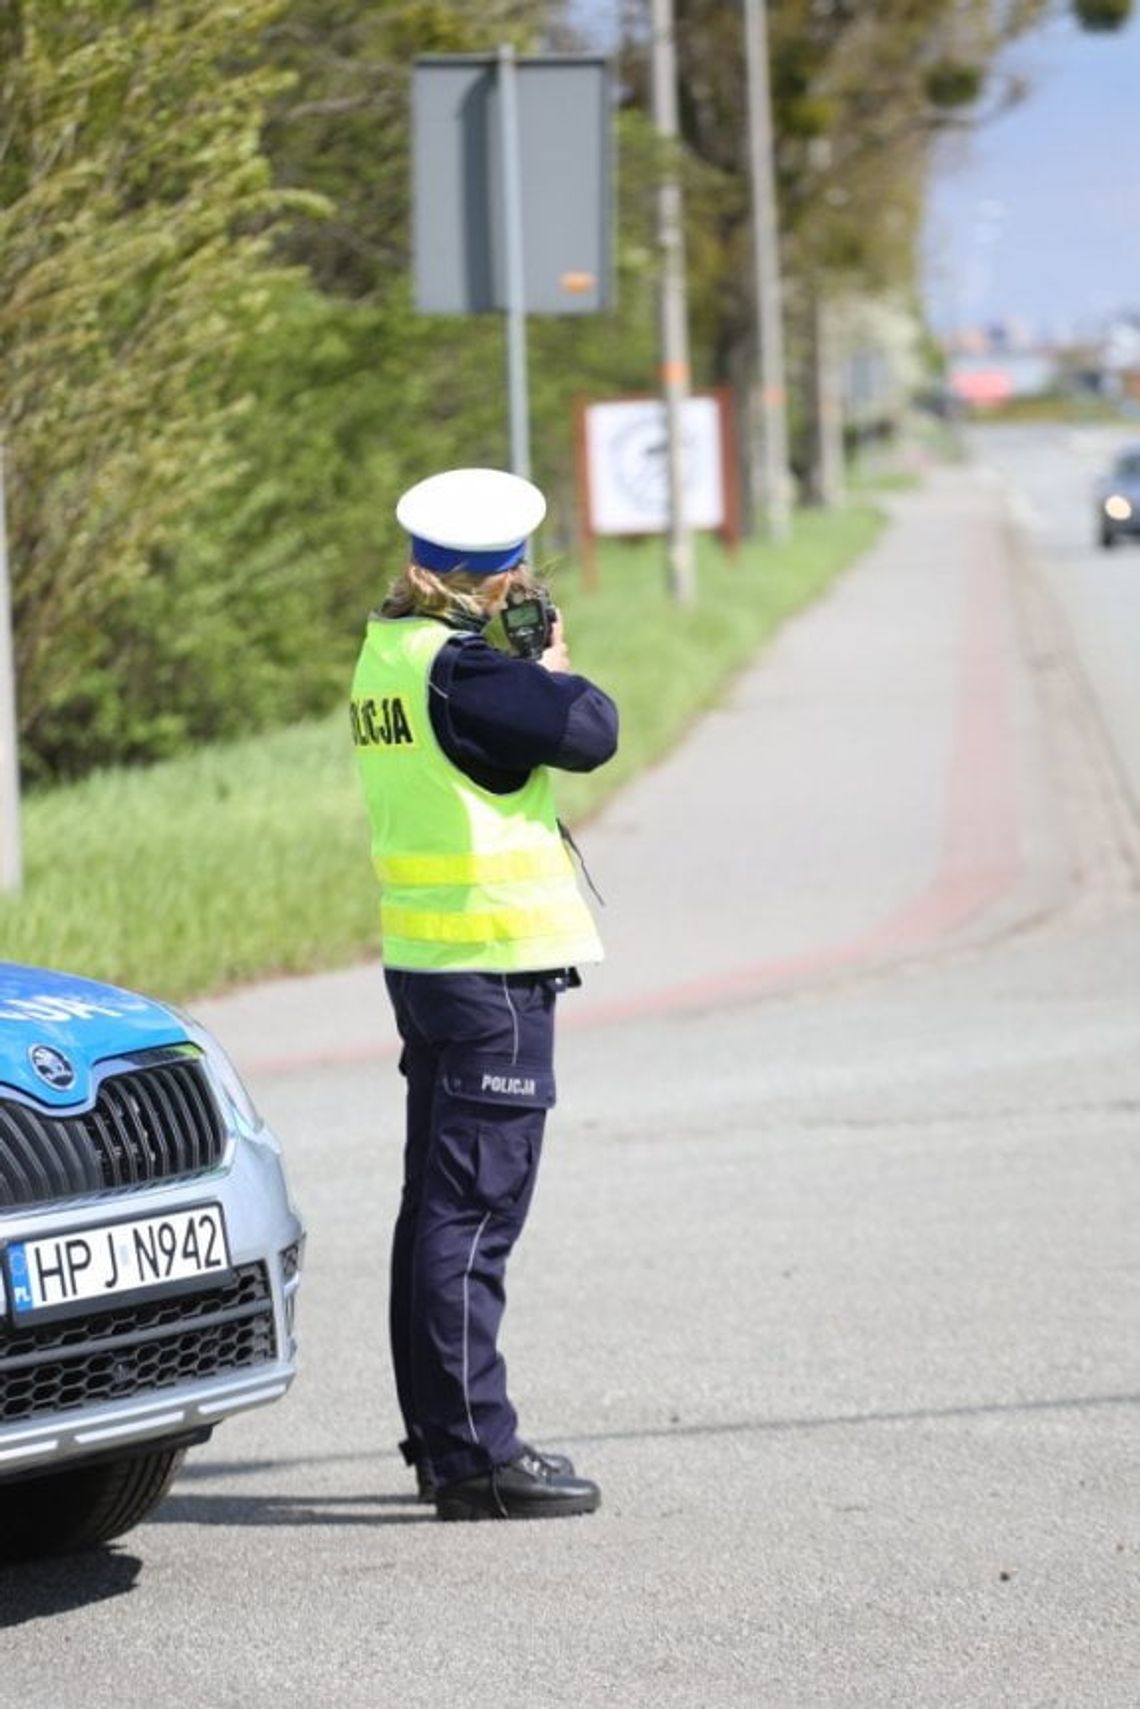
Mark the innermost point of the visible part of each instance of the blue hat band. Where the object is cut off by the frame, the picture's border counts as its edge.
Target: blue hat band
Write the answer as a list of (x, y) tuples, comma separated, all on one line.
[(443, 559)]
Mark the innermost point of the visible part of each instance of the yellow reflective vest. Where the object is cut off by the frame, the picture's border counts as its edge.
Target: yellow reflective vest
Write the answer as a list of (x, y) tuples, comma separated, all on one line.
[(470, 881)]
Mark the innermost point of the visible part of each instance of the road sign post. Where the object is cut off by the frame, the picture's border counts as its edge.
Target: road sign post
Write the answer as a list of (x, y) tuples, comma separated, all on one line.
[(517, 389)]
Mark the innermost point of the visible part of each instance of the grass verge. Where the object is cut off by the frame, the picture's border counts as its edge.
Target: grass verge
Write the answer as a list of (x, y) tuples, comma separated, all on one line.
[(251, 859), (1064, 409)]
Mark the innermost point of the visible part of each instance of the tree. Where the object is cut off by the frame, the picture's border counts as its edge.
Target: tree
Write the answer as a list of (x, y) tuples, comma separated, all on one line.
[(254, 515), (1102, 14), (342, 127), (135, 217), (860, 93)]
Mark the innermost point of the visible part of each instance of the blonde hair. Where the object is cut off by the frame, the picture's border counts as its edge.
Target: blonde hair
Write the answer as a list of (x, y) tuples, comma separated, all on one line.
[(422, 592)]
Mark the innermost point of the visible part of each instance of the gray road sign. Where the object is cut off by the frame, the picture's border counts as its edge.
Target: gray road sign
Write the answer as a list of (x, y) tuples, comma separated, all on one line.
[(566, 166)]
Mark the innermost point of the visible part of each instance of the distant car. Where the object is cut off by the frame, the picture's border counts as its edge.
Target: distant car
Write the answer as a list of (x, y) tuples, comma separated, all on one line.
[(149, 1256), (1118, 499)]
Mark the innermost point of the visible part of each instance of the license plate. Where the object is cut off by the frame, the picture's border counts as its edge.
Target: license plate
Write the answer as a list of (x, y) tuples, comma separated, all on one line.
[(151, 1253)]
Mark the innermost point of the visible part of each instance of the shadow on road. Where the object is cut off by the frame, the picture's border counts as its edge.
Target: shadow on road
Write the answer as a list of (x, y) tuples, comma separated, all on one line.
[(204, 1470), (289, 1510), (42, 1588), (300, 1510), (833, 1421)]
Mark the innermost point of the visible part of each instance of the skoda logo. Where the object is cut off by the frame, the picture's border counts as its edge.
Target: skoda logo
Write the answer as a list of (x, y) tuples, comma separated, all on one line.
[(52, 1066), (123, 1373)]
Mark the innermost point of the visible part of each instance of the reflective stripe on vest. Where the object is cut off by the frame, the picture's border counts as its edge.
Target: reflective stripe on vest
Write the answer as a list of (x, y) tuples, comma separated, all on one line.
[(497, 924), (471, 868), (469, 879)]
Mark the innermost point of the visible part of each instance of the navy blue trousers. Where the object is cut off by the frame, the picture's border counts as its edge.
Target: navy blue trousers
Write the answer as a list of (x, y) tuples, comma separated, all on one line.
[(478, 1061)]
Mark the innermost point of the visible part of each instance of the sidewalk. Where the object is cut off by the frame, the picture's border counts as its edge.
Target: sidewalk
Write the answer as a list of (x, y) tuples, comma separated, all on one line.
[(873, 786)]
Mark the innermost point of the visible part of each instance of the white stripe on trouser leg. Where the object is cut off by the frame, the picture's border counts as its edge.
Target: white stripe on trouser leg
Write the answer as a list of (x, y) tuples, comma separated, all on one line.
[(466, 1323), (514, 1019)]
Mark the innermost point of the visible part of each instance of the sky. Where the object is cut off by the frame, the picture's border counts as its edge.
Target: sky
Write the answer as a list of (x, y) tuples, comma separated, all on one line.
[(1037, 217)]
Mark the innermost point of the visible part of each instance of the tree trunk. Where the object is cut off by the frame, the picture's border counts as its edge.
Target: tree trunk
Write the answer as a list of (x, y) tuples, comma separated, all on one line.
[(824, 409)]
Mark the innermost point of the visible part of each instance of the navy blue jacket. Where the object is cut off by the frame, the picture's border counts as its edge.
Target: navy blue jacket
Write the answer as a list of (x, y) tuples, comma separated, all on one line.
[(496, 717)]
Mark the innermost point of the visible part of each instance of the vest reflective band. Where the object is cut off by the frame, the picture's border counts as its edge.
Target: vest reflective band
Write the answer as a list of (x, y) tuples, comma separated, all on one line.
[(469, 880)]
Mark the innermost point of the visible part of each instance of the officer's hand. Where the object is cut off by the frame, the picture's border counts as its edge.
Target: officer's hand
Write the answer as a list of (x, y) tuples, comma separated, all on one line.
[(557, 655)]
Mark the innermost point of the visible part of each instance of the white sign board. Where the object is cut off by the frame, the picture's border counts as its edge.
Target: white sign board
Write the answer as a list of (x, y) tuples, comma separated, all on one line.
[(626, 472)]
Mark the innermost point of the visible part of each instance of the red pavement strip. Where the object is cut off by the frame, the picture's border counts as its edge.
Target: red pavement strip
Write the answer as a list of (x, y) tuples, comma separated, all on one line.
[(981, 853)]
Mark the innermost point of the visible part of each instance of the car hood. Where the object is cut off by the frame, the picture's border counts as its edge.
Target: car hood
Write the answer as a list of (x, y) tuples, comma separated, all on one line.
[(79, 1019)]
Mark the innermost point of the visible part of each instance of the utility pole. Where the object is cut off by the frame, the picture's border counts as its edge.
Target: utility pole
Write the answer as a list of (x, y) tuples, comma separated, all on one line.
[(11, 865), (768, 463), (674, 318)]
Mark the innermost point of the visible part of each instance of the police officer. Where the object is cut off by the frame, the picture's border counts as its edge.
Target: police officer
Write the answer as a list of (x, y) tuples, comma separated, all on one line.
[(482, 926)]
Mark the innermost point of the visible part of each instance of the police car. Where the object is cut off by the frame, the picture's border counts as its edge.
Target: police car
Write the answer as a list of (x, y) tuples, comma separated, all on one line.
[(149, 1256)]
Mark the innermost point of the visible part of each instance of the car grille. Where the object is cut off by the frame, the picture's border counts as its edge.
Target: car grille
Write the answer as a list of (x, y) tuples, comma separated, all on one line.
[(152, 1124), (137, 1349)]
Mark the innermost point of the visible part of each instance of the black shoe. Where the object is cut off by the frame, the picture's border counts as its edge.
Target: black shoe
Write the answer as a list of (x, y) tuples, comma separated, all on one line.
[(561, 1464), (525, 1488)]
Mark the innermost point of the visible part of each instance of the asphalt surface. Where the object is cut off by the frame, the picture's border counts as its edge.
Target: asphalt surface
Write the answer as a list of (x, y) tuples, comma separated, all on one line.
[(833, 1274), (1098, 590)]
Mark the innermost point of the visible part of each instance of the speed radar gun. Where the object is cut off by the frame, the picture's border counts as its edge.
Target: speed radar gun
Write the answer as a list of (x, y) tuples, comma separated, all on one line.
[(528, 622)]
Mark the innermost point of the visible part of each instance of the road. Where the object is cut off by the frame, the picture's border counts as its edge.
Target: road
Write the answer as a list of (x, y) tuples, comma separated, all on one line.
[(833, 1275), (1053, 472)]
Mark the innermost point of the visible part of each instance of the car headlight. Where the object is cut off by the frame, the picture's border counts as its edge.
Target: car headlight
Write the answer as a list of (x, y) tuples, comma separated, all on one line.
[(1117, 507), (236, 1101)]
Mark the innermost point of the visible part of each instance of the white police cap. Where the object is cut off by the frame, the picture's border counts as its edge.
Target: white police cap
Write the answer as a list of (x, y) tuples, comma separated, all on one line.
[(470, 519)]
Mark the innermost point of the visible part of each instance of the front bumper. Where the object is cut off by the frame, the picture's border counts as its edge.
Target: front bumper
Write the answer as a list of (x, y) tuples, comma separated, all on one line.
[(169, 1365), (129, 1424)]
